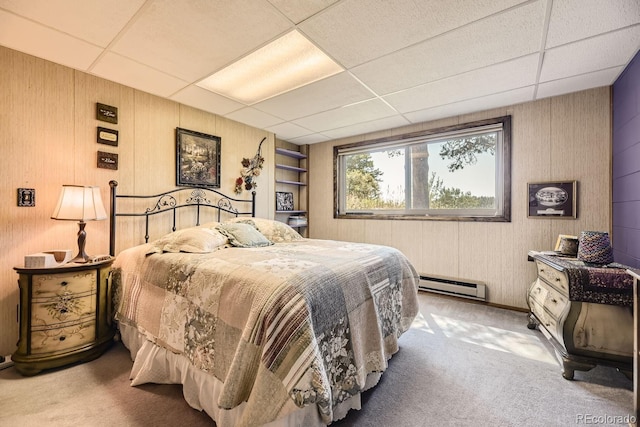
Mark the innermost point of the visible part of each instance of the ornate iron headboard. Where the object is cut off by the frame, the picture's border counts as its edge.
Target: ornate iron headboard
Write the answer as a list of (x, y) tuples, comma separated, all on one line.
[(165, 202)]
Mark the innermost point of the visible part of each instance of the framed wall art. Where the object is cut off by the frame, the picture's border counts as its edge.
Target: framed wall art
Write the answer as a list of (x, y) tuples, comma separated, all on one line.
[(107, 136), (197, 158), (284, 201), (106, 113), (553, 199)]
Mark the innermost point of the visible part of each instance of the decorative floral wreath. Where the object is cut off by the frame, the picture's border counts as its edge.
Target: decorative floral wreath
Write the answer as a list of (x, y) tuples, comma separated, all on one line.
[(251, 169)]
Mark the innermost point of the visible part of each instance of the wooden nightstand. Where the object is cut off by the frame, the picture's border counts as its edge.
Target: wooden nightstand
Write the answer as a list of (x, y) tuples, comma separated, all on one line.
[(65, 315), (585, 311)]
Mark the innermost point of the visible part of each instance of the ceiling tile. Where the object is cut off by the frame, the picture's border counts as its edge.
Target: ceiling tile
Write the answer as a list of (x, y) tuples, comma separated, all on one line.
[(347, 115), (596, 53), (298, 11), (95, 21), (368, 127), (310, 139), (254, 118), (124, 71), (203, 99), (486, 81), (357, 31), (37, 40), (503, 99), (326, 94), (573, 20), (288, 131), (578, 83), (512, 34), (190, 40)]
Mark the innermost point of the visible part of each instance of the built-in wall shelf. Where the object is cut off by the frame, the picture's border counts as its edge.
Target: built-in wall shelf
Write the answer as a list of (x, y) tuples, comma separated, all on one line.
[(291, 182), (291, 168), (290, 153), (291, 212), (291, 177)]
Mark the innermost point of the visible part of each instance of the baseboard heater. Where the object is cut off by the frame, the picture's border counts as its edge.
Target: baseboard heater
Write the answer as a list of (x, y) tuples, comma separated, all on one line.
[(452, 286)]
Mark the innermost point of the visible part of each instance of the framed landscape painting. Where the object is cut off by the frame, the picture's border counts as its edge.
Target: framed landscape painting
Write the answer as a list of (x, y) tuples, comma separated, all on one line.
[(197, 158)]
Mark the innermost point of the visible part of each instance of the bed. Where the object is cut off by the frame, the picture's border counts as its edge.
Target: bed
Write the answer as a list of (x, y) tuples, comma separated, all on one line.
[(259, 325)]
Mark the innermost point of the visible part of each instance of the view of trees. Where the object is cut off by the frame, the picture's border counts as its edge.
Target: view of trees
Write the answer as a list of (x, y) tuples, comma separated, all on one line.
[(428, 190)]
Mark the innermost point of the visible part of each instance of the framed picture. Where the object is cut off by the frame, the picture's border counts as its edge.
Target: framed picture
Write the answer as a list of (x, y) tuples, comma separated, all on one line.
[(284, 201), (107, 160), (106, 113), (197, 158), (107, 136), (553, 199)]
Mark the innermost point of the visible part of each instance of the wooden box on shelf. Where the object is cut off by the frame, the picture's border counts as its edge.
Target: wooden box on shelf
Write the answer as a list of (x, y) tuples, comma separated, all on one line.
[(65, 315)]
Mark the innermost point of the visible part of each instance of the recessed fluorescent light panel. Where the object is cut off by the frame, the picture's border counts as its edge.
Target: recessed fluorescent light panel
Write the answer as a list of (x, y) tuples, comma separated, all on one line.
[(285, 64)]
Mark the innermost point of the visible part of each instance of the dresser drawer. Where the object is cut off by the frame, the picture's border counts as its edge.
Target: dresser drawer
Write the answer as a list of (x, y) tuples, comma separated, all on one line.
[(66, 307), (53, 340), (554, 277), (51, 285)]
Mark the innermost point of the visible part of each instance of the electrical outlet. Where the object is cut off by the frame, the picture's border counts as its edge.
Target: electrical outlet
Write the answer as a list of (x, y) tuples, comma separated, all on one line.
[(6, 363)]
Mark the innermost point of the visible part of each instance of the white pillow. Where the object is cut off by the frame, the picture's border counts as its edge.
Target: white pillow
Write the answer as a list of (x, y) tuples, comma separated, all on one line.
[(192, 240), (275, 231)]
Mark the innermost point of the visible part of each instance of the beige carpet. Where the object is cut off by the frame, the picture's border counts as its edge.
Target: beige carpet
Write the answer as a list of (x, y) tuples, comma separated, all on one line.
[(461, 364)]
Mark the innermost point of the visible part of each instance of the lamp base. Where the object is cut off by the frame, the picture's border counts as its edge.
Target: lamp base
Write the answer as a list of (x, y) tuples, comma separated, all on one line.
[(82, 257)]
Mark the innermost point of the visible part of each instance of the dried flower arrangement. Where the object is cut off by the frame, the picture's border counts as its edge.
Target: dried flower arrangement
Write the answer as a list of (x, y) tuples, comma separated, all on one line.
[(251, 169)]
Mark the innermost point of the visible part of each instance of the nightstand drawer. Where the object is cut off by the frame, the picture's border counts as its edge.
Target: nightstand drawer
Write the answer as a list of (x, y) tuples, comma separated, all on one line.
[(52, 340), (555, 304), (51, 285), (554, 277), (66, 307)]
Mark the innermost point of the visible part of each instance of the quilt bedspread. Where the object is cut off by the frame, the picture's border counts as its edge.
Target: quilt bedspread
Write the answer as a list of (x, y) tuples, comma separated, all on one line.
[(304, 321)]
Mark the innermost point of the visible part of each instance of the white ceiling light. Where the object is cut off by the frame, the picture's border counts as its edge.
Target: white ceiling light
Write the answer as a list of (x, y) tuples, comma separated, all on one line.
[(283, 65)]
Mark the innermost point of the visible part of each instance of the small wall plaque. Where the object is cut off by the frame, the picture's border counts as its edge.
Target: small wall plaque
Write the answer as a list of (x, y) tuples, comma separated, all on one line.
[(26, 197), (107, 160), (106, 113), (107, 136)]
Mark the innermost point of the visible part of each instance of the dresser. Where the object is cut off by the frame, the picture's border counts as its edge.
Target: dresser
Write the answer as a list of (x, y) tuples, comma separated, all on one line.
[(586, 312), (65, 315)]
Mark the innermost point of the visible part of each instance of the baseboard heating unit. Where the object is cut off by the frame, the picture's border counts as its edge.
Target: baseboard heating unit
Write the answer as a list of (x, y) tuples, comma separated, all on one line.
[(455, 287)]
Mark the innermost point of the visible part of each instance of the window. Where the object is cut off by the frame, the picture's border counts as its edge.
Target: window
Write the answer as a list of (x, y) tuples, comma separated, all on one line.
[(460, 172)]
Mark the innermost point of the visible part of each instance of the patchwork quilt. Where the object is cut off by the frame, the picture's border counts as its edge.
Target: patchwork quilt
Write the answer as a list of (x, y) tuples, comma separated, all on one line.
[(303, 321)]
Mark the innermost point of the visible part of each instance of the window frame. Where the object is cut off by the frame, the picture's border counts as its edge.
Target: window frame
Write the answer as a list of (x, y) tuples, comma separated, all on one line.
[(404, 139)]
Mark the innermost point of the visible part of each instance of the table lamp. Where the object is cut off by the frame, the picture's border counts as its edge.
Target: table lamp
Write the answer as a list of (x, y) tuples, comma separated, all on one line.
[(80, 203)]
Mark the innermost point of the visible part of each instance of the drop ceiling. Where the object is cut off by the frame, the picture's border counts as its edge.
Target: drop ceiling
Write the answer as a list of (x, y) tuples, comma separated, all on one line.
[(403, 61)]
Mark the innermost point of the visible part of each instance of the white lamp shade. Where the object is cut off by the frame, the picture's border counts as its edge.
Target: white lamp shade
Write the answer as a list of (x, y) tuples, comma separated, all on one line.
[(79, 203)]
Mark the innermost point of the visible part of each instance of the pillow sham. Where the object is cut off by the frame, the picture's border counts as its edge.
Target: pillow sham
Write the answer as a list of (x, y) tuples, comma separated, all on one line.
[(243, 235), (192, 240), (275, 231)]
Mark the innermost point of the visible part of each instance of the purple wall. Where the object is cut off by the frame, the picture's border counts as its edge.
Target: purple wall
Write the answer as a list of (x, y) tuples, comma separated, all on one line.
[(626, 165)]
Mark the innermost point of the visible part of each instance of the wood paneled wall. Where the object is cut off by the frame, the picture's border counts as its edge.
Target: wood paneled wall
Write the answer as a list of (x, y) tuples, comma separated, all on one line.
[(560, 138), (48, 138)]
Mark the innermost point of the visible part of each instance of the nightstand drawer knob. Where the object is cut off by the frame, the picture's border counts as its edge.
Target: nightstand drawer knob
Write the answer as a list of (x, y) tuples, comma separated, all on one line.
[(64, 283), (62, 338)]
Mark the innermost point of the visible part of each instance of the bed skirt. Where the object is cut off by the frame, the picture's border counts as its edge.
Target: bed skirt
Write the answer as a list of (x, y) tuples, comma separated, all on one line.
[(155, 364)]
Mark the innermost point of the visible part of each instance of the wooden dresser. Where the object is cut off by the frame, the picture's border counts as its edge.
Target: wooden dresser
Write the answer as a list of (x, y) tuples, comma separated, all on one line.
[(65, 315), (586, 312)]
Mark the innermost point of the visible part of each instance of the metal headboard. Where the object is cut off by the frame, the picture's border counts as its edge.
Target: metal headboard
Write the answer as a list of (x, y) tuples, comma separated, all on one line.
[(166, 202)]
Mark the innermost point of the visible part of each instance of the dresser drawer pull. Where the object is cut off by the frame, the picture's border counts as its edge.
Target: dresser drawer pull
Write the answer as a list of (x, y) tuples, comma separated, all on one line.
[(62, 338), (553, 300), (64, 283)]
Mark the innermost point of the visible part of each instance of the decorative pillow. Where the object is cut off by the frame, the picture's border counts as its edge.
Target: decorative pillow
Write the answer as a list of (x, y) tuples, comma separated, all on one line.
[(275, 231), (192, 240), (243, 235)]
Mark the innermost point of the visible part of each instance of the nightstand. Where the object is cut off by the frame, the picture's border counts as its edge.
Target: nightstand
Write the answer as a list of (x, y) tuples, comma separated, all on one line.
[(585, 310), (65, 315)]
